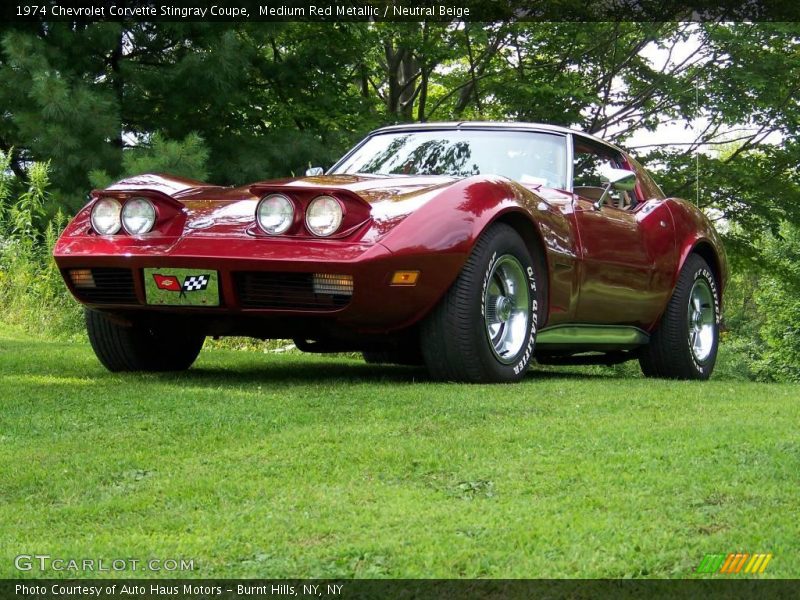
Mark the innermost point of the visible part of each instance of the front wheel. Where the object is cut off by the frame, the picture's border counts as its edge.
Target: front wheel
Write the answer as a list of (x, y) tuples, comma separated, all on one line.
[(484, 329), (684, 346), (142, 347)]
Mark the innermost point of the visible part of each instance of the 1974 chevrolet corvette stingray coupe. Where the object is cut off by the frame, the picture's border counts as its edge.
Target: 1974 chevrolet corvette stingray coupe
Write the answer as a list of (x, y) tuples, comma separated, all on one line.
[(470, 248)]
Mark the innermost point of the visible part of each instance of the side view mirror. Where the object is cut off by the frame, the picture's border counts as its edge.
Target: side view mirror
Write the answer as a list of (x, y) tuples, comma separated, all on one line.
[(314, 171), (623, 180)]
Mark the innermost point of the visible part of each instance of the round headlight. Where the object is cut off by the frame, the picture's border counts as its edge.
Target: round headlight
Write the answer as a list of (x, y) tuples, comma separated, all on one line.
[(105, 216), (275, 214), (138, 216), (323, 216)]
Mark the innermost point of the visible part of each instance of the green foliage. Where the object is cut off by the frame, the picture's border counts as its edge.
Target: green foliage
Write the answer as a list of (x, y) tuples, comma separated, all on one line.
[(185, 158), (740, 342), (778, 298), (761, 337), (268, 99), (6, 181), (58, 104), (25, 215), (32, 292)]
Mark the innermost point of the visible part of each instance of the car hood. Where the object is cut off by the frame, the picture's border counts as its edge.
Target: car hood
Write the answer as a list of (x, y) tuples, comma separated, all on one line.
[(371, 188)]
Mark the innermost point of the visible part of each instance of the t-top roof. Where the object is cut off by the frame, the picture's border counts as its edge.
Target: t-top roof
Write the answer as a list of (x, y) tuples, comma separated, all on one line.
[(508, 125)]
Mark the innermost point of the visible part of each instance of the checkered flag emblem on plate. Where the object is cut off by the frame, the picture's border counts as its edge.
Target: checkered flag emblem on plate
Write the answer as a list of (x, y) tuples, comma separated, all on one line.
[(194, 283)]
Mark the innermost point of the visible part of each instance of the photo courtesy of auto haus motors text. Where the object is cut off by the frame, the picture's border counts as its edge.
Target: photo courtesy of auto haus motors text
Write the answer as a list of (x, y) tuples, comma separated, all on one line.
[(184, 590)]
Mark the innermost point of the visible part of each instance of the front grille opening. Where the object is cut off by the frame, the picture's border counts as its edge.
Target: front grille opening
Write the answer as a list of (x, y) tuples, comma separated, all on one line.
[(103, 285), (293, 291)]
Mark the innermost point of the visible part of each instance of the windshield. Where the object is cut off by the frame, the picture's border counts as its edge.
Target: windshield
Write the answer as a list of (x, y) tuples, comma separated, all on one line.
[(526, 157)]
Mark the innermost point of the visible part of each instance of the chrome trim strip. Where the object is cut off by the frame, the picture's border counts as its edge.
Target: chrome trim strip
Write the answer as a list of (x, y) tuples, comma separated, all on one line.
[(590, 335)]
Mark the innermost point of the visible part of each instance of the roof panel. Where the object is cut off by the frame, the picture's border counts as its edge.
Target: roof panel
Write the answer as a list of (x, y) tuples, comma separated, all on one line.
[(508, 125)]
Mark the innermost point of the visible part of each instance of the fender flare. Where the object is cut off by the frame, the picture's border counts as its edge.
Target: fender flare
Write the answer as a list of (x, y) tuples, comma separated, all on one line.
[(481, 201), (695, 234)]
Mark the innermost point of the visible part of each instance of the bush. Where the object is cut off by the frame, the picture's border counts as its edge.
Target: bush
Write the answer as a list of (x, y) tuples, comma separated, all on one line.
[(761, 340), (32, 292), (778, 299)]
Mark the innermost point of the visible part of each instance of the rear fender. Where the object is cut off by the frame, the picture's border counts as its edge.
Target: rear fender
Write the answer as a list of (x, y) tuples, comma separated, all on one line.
[(695, 234)]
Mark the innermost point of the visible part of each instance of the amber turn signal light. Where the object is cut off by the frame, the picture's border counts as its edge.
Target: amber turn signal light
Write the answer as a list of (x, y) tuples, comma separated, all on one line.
[(336, 285), (405, 278), (82, 278)]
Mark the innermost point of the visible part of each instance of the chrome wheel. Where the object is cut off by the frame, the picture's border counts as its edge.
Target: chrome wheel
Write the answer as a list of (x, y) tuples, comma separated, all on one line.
[(507, 304), (702, 320)]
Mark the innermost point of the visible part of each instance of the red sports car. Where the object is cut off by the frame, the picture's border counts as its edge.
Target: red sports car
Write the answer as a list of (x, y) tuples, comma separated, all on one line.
[(472, 248)]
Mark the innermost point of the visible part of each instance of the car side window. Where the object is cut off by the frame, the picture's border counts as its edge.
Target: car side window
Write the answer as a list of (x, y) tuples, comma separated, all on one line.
[(649, 188), (590, 162)]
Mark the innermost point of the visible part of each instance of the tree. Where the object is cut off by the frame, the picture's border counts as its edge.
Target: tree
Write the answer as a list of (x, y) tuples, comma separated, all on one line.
[(55, 103), (268, 99), (265, 98)]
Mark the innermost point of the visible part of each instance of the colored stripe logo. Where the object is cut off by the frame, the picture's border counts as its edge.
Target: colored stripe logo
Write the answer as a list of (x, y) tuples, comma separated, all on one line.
[(735, 562)]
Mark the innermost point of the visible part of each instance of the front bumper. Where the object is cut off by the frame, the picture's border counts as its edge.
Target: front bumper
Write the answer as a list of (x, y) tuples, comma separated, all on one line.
[(248, 266)]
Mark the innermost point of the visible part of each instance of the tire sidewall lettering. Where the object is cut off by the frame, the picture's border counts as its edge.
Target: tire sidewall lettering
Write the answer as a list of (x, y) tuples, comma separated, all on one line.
[(526, 354), (485, 284), (706, 275), (533, 321)]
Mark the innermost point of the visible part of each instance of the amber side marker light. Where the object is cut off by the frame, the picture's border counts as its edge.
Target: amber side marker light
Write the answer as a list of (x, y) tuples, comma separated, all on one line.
[(405, 278), (82, 278)]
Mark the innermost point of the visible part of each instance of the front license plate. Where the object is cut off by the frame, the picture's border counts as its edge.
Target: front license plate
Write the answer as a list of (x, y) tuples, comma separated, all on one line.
[(181, 287)]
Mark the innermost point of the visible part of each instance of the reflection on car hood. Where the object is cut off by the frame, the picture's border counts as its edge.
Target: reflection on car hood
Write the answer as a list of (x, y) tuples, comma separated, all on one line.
[(372, 188)]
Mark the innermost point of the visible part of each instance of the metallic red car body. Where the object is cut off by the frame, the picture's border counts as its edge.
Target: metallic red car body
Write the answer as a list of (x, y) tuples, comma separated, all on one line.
[(606, 267)]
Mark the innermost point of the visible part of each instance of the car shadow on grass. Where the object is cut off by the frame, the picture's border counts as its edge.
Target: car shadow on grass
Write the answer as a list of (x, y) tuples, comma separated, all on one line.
[(42, 358), (343, 372), (307, 372)]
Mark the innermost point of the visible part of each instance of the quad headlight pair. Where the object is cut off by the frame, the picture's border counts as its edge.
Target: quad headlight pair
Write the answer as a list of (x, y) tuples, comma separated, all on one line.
[(276, 213), (136, 215)]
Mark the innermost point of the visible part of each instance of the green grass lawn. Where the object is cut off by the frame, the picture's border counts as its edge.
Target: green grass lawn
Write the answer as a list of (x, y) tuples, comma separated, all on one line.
[(291, 465)]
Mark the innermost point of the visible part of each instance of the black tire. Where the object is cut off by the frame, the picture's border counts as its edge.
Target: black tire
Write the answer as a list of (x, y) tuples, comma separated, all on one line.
[(393, 357), (142, 347), (455, 337), (670, 353)]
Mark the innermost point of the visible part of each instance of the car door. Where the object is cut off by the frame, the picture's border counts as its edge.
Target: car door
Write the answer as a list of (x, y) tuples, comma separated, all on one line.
[(616, 259)]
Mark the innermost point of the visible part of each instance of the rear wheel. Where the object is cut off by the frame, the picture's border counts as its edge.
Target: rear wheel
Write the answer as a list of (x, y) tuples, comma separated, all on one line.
[(684, 346), (139, 347), (484, 329)]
